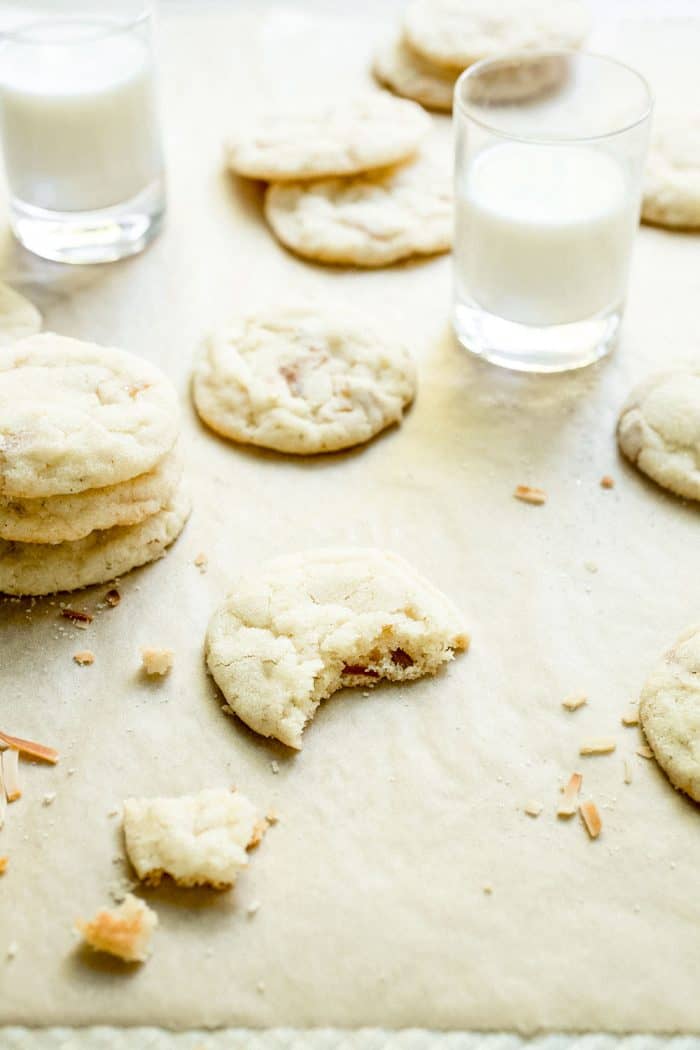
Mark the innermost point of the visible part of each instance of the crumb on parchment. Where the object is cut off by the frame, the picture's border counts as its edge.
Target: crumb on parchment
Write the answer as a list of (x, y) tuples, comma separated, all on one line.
[(157, 661)]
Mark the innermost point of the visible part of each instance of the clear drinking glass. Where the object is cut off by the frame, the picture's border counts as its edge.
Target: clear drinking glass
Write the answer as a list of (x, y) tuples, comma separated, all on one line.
[(79, 128), (550, 152)]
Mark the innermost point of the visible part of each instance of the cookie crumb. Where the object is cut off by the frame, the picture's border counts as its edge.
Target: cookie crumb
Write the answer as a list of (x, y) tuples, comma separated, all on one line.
[(253, 908), (272, 817), (591, 819), (12, 950), (567, 806), (533, 808), (627, 765), (80, 619), (202, 562), (573, 702), (124, 931), (645, 752), (631, 717), (275, 766), (260, 987), (157, 661), (48, 798), (600, 746), (487, 889), (528, 494), (606, 482), (84, 657), (113, 597), (590, 566), (3, 864)]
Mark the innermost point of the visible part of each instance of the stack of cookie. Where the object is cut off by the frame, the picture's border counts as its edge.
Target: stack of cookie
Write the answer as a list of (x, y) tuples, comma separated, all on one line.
[(89, 468), (347, 183), (439, 39)]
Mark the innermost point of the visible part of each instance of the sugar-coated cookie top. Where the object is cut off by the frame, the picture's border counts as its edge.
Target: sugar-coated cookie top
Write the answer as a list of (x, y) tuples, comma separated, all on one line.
[(302, 379), (669, 712), (341, 138), (75, 416)]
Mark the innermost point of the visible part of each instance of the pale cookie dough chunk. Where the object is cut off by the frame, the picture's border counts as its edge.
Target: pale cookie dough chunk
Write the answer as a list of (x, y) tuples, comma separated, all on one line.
[(343, 138), (36, 568), (672, 178), (659, 430), (456, 33), (18, 317), (669, 712), (124, 931), (308, 624), (407, 73), (197, 840), (76, 416), (56, 519), (157, 661), (369, 220), (296, 379)]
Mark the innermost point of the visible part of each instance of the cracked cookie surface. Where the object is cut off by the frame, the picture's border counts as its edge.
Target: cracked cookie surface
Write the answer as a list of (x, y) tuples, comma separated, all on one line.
[(659, 430), (669, 712), (76, 416), (311, 623), (302, 380), (672, 177), (343, 138), (369, 220), (457, 33), (407, 73)]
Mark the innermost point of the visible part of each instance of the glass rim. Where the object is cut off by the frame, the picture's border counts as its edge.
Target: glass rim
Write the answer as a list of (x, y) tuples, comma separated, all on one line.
[(466, 110), (105, 26)]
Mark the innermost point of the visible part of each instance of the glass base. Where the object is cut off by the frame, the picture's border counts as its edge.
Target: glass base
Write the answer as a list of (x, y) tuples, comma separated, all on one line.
[(90, 236), (526, 348)]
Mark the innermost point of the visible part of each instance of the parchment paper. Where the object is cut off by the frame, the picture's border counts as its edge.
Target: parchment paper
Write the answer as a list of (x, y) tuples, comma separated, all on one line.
[(405, 804)]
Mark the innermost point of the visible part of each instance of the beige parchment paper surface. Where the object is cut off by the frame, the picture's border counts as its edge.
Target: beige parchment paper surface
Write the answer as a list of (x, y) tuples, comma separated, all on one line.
[(403, 805)]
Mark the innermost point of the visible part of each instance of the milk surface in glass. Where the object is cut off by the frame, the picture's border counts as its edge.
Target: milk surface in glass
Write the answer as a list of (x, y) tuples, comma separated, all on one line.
[(78, 116), (544, 232)]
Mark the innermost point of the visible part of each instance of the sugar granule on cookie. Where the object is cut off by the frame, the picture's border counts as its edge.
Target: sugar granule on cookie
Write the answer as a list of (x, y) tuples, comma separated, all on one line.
[(124, 931), (157, 661), (197, 840), (306, 625)]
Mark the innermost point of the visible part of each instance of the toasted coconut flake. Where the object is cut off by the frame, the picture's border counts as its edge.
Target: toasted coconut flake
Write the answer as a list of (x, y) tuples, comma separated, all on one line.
[(569, 799), (645, 752), (533, 808), (3, 865), (258, 833), (631, 716), (601, 746), (573, 702), (606, 482), (10, 774), (84, 657), (628, 771), (591, 818), (528, 494), (30, 748), (113, 597), (157, 661), (76, 616)]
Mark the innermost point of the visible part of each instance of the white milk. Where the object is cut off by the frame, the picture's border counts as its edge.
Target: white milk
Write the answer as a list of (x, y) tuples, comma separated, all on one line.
[(544, 233), (79, 123)]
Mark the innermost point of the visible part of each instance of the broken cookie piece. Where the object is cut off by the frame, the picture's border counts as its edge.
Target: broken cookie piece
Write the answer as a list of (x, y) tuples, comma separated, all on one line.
[(198, 840), (124, 931), (309, 624), (157, 661)]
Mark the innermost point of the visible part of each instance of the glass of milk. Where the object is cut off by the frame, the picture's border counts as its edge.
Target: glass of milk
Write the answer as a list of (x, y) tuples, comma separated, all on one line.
[(79, 128), (550, 151)]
